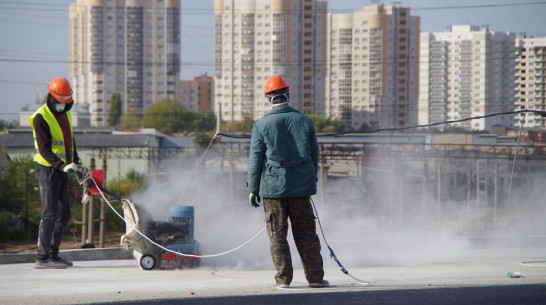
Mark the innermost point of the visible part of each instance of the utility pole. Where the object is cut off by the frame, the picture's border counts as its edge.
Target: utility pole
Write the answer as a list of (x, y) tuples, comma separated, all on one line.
[(84, 222), (321, 175), (496, 192), (468, 184), (401, 179), (231, 170), (439, 194), (91, 218), (102, 209), (424, 195)]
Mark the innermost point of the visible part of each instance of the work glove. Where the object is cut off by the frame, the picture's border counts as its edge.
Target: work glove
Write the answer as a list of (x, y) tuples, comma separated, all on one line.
[(253, 199), (70, 168)]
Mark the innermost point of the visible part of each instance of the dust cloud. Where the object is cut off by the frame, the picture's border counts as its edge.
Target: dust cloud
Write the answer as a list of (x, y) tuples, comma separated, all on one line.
[(223, 220), (386, 215)]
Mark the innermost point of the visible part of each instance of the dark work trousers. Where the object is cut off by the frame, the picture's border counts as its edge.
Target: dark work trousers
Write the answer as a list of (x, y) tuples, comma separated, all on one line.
[(302, 220), (55, 209)]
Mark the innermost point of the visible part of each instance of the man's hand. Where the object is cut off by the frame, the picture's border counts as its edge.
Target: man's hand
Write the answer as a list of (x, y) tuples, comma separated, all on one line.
[(253, 199), (70, 168)]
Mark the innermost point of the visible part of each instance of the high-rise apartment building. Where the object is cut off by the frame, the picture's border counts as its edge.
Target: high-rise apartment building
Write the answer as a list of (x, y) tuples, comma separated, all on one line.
[(197, 94), (467, 71), (131, 47), (530, 80), (372, 77), (255, 39)]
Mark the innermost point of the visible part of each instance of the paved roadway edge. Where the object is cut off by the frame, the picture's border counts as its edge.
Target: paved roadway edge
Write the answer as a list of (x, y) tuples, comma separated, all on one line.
[(89, 254)]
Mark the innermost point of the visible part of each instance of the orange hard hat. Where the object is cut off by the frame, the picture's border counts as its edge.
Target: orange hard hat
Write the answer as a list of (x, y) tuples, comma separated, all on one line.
[(60, 89), (274, 83)]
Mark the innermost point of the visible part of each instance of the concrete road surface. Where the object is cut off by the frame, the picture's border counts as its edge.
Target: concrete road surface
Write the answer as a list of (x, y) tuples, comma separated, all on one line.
[(481, 273), (484, 295)]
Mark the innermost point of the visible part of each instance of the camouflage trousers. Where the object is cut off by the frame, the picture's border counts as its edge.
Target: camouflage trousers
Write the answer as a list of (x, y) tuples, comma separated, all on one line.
[(302, 220)]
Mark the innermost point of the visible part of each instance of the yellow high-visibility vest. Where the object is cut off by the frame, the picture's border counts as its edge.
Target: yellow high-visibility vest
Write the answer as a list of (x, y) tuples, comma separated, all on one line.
[(57, 138)]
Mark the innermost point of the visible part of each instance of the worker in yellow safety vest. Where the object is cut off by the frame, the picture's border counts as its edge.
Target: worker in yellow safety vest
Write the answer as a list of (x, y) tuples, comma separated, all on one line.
[(55, 157)]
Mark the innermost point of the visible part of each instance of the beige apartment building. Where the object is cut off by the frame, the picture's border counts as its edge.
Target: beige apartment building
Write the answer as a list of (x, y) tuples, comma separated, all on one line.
[(372, 61), (467, 71), (127, 46), (197, 94), (255, 39), (530, 74)]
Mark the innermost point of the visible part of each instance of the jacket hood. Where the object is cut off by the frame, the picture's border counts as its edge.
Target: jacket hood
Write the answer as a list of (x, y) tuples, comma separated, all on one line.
[(281, 109)]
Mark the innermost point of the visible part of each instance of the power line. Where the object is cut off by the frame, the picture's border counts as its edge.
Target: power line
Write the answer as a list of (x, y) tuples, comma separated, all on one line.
[(25, 22), (34, 53), (22, 83), (536, 112), (338, 134), (383, 108), (62, 7), (380, 61), (453, 7)]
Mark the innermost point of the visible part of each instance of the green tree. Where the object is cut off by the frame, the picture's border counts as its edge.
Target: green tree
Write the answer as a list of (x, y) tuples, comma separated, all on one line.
[(238, 126), (167, 116), (365, 127), (203, 138), (115, 109), (17, 189), (204, 121), (130, 121), (326, 125), (14, 177), (132, 183)]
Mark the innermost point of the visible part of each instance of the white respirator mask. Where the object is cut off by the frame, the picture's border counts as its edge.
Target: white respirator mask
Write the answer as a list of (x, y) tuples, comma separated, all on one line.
[(59, 107)]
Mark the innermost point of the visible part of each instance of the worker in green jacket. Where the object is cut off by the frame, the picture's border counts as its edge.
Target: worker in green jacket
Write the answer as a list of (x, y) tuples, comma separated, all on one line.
[(282, 169), (55, 157)]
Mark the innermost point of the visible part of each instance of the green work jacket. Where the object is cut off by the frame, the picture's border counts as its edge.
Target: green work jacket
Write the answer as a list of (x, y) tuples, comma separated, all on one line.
[(283, 159)]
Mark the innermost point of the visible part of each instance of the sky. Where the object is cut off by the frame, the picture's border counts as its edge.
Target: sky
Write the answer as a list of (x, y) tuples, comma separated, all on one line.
[(34, 36)]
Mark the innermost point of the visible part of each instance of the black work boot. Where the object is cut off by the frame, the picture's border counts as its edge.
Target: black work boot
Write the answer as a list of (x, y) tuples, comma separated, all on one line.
[(60, 260)]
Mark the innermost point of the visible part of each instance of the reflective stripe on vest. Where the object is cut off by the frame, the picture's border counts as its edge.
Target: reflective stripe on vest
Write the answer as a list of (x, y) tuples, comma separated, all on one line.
[(57, 138)]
